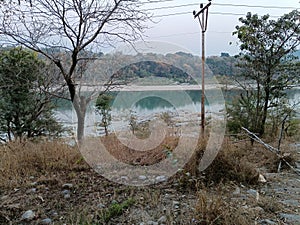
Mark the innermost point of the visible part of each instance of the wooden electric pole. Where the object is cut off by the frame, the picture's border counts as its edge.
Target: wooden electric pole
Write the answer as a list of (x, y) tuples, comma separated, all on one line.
[(203, 25)]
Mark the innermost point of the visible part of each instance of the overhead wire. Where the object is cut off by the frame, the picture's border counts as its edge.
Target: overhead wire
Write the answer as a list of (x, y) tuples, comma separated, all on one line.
[(216, 13), (223, 4)]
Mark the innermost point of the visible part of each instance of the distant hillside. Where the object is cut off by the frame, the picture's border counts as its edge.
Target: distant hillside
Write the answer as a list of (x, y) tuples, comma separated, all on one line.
[(146, 69)]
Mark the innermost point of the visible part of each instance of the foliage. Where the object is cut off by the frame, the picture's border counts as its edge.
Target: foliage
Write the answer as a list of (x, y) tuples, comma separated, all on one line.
[(133, 124), (116, 209), (158, 69), (224, 65), (267, 65), (25, 107), (103, 108), (50, 25)]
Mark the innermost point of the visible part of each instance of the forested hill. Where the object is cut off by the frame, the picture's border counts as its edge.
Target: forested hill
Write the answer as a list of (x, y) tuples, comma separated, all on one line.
[(179, 67), (146, 69)]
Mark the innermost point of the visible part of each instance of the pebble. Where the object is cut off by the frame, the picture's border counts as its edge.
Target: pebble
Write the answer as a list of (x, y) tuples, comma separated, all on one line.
[(32, 190), (33, 183), (67, 196), (162, 219), (262, 179), (176, 204), (160, 178), (46, 221), (28, 215), (290, 217), (124, 178), (152, 223), (142, 177), (237, 191), (267, 222), (101, 206), (252, 192)]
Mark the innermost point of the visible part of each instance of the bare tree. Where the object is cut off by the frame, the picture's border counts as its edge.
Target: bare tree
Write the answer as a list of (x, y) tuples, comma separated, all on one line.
[(67, 31)]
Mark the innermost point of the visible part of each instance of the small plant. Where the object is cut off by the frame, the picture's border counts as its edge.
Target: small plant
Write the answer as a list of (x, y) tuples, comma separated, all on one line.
[(116, 209), (103, 108), (167, 118), (210, 211), (133, 122)]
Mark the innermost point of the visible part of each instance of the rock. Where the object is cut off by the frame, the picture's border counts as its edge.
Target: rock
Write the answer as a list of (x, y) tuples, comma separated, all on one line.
[(176, 204), (262, 179), (237, 191), (46, 221), (160, 178), (290, 202), (31, 190), (162, 219), (267, 222), (142, 177), (254, 193), (152, 223), (67, 196), (67, 186), (33, 183), (28, 215), (258, 209), (101, 206), (124, 178), (65, 192), (290, 217)]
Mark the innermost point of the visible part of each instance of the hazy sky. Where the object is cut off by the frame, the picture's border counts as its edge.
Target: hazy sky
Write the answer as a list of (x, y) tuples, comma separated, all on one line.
[(183, 30)]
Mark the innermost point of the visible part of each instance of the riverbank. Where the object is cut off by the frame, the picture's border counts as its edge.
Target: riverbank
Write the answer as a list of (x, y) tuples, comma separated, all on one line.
[(49, 183)]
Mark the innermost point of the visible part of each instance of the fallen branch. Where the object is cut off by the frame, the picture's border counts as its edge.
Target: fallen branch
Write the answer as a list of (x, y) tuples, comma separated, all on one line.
[(270, 148)]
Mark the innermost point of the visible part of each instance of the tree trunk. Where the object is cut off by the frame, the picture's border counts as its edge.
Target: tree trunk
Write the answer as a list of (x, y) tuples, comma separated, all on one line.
[(80, 103), (265, 108)]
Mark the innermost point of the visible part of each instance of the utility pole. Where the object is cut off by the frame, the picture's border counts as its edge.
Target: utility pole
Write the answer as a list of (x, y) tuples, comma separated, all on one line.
[(203, 25)]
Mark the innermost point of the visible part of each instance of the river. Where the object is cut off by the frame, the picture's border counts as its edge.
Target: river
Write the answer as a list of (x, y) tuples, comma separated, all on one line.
[(147, 104)]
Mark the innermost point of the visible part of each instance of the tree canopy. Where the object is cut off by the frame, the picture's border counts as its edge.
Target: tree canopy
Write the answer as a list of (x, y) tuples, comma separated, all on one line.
[(268, 66), (76, 27), (25, 106)]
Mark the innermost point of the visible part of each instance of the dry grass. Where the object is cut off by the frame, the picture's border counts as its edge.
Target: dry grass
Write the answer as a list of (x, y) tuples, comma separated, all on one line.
[(231, 164), (133, 157), (20, 160), (214, 209), (235, 162)]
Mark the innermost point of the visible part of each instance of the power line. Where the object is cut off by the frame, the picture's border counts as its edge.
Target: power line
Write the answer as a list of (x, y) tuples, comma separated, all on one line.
[(215, 13), (223, 4), (172, 7), (256, 6)]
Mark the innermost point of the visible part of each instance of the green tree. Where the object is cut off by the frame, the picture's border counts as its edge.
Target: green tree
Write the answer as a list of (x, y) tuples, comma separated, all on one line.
[(25, 106), (75, 28), (103, 108), (268, 67)]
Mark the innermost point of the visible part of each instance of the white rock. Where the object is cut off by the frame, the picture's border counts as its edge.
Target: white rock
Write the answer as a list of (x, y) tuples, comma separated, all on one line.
[(262, 179), (161, 178), (28, 215), (237, 191), (152, 223), (142, 177), (46, 221)]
